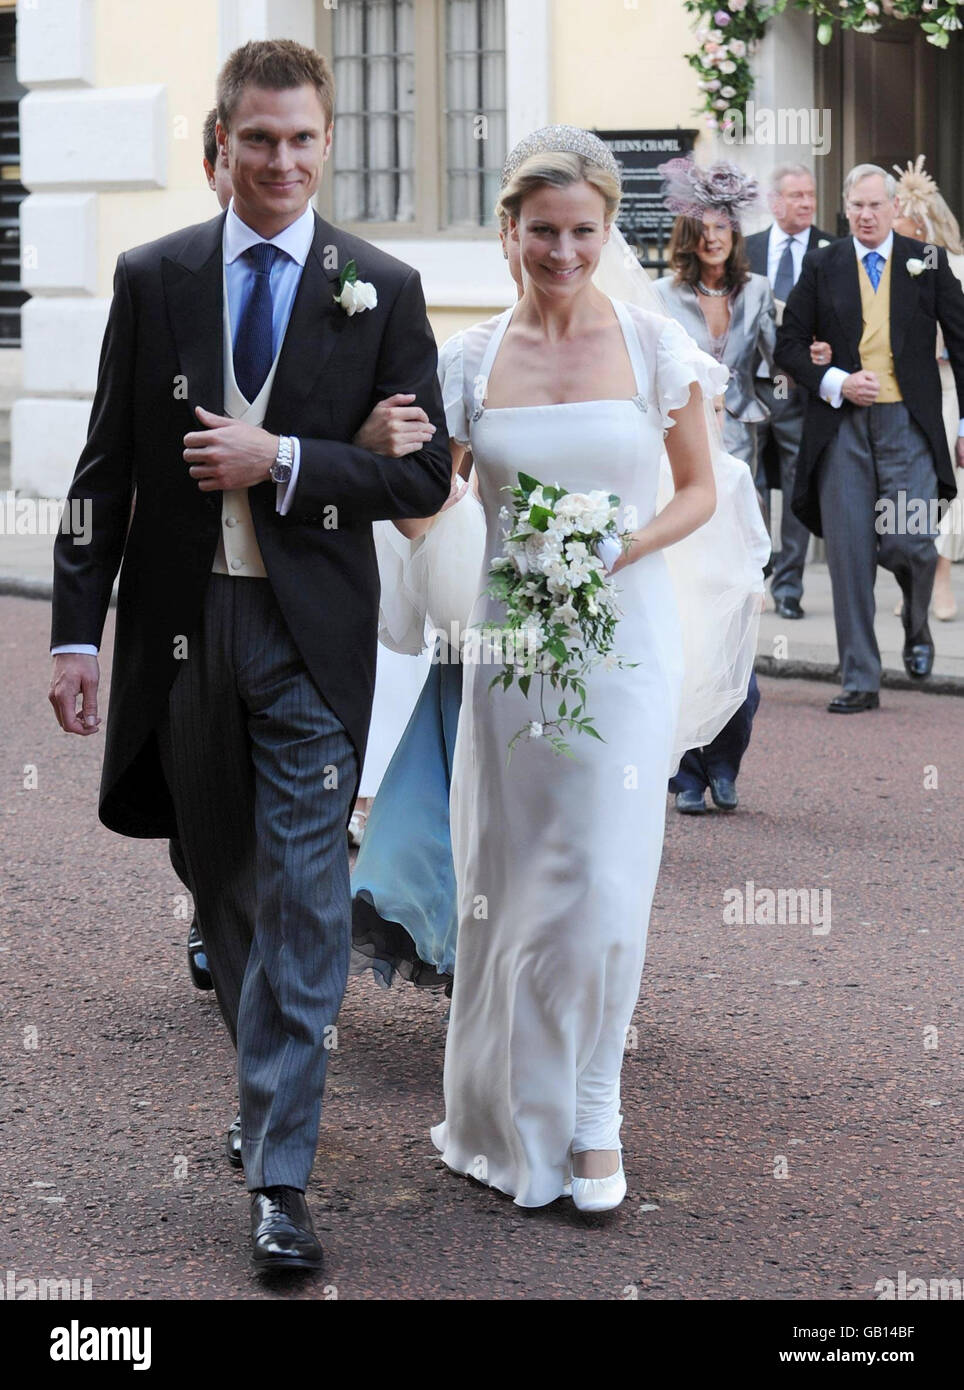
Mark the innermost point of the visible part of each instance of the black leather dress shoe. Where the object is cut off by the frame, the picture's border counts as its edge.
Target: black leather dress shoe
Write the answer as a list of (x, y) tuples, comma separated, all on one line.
[(282, 1236), (919, 659), (788, 608), (854, 701), (690, 803), (723, 792), (232, 1143), (197, 960)]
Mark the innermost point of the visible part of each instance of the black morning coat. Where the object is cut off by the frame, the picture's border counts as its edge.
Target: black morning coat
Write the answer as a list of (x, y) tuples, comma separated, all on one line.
[(162, 356), (825, 304), (758, 255)]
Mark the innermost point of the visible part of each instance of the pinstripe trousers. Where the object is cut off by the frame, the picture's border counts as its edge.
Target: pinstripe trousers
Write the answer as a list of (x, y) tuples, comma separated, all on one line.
[(878, 452), (261, 771)]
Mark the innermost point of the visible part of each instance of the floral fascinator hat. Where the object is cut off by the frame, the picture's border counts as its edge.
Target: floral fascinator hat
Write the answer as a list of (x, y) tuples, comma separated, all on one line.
[(691, 190)]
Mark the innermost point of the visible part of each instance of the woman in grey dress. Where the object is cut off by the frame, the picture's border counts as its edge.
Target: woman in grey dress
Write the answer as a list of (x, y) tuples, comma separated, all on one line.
[(731, 314), (711, 291)]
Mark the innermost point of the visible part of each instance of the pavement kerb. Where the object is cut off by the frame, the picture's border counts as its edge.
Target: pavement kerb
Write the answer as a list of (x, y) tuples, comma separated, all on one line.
[(16, 586)]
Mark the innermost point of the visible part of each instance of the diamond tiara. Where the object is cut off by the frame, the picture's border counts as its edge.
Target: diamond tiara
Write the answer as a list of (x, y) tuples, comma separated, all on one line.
[(561, 139)]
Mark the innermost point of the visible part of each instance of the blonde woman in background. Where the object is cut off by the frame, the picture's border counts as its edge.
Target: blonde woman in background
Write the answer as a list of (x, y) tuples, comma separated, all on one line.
[(924, 214)]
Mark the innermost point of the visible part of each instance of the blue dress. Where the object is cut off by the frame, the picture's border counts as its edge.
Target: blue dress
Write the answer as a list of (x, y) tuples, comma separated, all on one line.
[(404, 915)]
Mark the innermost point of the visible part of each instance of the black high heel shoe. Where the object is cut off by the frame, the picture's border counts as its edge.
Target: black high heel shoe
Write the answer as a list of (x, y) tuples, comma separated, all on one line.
[(197, 960)]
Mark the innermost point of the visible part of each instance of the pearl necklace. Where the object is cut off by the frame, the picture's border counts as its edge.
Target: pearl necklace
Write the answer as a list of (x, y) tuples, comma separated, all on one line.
[(714, 294)]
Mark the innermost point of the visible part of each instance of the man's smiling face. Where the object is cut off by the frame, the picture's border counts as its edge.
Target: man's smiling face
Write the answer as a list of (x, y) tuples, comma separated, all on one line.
[(276, 148)]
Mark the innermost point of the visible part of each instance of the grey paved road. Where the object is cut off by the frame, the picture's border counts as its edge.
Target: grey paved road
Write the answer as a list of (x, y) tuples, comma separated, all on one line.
[(792, 1101)]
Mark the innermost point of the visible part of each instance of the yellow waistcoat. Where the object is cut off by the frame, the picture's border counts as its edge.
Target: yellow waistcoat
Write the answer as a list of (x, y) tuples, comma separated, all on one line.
[(875, 353)]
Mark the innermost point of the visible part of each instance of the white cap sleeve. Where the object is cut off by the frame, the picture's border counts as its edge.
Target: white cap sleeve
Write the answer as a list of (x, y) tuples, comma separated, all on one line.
[(450, 375), (679, 363)]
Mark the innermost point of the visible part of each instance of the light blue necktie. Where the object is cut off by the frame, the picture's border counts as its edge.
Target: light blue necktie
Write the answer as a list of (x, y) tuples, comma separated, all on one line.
[(873, 264), (252, 344)]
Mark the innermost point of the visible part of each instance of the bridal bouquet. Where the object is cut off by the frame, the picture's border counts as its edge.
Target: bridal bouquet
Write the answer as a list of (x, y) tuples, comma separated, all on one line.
[(560, 608)]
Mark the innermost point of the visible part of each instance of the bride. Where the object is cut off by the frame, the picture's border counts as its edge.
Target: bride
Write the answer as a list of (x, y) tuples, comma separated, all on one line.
[(556, 859)]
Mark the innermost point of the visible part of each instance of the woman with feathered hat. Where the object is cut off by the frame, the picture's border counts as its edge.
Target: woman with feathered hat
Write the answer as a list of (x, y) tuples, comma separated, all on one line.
[(730, 313)]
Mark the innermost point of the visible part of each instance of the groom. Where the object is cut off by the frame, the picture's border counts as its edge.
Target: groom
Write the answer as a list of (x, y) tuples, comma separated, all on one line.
[(223, 482)]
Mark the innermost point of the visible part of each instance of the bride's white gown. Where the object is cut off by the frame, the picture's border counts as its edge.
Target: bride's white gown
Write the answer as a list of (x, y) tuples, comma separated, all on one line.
[(556, 859)]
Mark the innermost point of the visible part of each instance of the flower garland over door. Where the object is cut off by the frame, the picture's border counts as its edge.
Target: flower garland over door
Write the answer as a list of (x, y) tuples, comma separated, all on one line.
[(729, 32)]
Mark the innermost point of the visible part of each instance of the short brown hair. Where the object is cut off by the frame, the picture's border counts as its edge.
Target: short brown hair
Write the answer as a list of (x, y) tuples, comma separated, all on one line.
[(685, 263), (275, 65), (208, 137)]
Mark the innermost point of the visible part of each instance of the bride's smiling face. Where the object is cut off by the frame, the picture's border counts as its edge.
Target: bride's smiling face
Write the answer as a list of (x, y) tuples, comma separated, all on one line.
[(560, 233)]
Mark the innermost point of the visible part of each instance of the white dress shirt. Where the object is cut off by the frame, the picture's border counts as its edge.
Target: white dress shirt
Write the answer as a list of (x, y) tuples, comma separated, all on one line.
[(799, 244), (295, 243)]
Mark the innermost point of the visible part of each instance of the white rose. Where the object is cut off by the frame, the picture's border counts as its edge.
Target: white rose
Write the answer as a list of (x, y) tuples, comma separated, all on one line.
[(823, 242), (573, 504), (915, 267), (357, 296), (365, 294), (535, 729)]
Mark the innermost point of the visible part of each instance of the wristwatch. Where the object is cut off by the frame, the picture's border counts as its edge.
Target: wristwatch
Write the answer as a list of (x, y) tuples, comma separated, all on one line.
[(281, 468)]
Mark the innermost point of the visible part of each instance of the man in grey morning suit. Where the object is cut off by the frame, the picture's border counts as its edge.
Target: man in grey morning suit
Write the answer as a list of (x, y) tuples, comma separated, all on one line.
[(778, 252), (874, 449), (244, 658)]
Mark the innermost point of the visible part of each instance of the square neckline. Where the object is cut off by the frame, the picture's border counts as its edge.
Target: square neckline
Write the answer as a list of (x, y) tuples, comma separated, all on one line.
[(625, 324)]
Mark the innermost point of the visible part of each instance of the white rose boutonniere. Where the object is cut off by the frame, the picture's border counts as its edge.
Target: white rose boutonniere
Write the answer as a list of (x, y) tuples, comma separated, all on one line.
[(822, 242), (355, 295), (915, 267)]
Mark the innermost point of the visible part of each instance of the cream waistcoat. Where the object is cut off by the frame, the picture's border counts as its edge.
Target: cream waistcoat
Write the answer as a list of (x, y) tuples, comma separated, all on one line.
[(238, 553)]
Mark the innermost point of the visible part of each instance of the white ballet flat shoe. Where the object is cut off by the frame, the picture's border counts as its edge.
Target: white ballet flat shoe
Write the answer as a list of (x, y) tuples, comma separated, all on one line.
[(600, 1194)]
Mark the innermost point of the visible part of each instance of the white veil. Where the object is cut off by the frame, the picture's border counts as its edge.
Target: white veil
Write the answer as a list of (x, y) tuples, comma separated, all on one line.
[(717, 570)]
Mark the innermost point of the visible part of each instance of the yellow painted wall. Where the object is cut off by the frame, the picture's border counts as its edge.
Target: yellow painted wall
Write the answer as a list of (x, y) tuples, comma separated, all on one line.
[(445, 322), (616, 64), (174, 43), (619, 65)]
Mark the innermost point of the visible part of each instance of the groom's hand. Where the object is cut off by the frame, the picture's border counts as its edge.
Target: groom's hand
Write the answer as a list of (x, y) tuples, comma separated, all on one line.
[(75, 674), (227, 453)]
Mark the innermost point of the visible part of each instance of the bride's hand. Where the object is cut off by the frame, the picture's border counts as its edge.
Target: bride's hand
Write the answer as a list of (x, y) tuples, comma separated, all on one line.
[(395, 428), (456, 490), (629, 556)]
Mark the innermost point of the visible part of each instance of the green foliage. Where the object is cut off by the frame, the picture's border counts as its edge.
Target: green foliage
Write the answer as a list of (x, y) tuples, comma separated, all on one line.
[(723, 55)]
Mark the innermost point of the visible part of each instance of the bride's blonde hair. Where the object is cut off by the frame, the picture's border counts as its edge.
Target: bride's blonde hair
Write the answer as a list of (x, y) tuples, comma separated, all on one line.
[(558, 169)]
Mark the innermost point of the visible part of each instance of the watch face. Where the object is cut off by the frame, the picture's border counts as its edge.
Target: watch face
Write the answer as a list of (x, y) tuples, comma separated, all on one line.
[(281, 472)]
